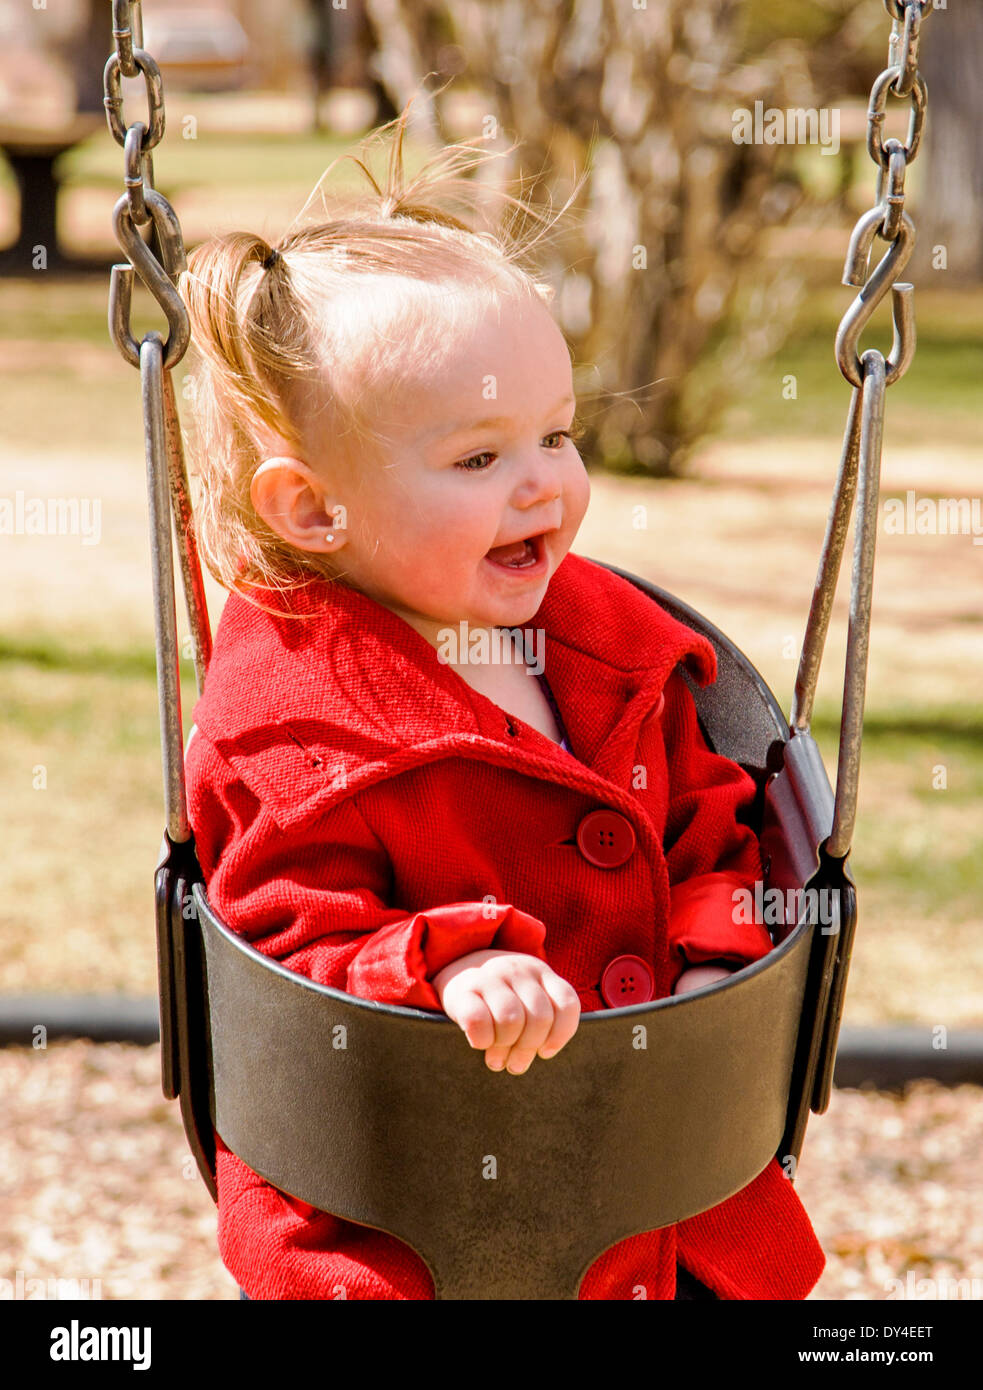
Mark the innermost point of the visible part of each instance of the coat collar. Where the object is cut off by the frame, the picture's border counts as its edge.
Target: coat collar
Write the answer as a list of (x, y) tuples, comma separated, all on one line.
[(354, 693)]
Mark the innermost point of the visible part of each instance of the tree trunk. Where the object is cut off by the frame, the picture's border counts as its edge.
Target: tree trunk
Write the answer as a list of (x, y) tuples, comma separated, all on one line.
[(950, 209)]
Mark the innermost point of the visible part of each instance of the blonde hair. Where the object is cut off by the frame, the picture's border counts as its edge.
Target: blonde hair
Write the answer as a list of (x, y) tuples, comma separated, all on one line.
[(304, 339)]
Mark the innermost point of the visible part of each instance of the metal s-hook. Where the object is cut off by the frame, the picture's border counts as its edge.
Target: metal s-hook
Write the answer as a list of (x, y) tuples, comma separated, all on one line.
[(860, 311), (158, 278)]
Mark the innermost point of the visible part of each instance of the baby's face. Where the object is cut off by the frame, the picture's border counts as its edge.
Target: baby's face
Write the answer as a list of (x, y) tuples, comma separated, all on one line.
[(477, 461)]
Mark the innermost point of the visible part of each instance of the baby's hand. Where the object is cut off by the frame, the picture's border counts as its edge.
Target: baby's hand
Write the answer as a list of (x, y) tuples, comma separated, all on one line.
[(511, 1006)]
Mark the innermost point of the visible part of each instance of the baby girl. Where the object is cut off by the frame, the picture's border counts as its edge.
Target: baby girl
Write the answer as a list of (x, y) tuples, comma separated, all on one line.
[(390, 482)]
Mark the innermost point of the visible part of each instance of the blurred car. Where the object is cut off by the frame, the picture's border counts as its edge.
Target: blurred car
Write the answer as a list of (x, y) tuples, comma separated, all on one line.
[(201, 49)]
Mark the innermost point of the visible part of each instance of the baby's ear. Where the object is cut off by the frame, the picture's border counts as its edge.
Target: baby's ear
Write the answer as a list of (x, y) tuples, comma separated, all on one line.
[(289, 497)]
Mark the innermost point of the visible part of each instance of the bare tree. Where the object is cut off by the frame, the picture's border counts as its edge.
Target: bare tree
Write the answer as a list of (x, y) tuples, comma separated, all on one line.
[(675, 213)]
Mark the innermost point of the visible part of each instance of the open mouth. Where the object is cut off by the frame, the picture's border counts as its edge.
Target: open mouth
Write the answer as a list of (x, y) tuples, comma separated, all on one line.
[(528, 554)]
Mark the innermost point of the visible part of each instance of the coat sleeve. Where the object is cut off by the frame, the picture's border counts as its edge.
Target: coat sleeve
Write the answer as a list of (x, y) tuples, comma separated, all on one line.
[(319, 898), (713, 859)]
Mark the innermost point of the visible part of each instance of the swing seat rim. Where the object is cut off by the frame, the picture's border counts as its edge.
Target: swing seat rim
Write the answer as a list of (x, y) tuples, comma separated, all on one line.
[(410, 1013)]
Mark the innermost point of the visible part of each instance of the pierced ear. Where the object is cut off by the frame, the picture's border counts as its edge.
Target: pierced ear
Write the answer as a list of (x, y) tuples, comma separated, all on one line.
[(290, 498)]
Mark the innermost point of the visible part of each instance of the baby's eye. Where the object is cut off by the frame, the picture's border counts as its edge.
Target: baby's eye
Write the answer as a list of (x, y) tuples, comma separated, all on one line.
[(474, 464)]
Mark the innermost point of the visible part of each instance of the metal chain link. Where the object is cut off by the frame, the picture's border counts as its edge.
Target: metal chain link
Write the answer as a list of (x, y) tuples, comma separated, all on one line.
[(887, 218), (167, 480), (869, 375), (137, 208)]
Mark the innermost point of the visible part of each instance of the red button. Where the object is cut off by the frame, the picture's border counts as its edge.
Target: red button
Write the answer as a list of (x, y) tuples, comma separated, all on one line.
[(627, 980), (606, 838)]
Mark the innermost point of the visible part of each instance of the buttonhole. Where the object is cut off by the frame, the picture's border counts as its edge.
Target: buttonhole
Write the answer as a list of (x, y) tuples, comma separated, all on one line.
[(312, 758)]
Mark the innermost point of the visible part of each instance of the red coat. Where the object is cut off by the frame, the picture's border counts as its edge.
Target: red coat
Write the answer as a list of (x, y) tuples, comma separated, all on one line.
[(341, 773)]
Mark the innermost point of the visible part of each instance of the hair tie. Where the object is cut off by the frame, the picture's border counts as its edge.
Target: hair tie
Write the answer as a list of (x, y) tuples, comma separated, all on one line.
[(271, 260)]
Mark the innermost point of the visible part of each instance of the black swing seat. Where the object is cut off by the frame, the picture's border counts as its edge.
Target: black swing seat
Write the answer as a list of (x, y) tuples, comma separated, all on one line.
[(511, 1187)]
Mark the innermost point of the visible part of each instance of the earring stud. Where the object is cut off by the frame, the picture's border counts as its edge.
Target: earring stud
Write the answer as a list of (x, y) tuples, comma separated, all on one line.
[(329, 537)]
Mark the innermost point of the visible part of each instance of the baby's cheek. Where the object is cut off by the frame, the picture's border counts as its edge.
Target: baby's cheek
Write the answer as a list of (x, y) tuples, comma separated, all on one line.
[(577, 499)]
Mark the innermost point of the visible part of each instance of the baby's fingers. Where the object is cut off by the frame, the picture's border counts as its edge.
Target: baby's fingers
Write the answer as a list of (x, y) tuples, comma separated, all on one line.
[(566, 1015), (538, 1025), (509, 1013), (473, 1015)]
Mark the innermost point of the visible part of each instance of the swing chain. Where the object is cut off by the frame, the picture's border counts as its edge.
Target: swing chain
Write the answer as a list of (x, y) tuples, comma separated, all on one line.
[(907, 59), (128, 28), (887, 219), (859, 472), (159, 261), (141, 204)]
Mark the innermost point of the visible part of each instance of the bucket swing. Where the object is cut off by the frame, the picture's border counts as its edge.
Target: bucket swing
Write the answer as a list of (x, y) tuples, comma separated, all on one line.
[(727, 1075)]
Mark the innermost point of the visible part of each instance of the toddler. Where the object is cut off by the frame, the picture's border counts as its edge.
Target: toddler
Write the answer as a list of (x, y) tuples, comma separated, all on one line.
[(441, 760)]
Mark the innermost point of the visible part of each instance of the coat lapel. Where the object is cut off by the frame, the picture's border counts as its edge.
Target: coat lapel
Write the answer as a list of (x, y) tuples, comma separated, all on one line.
[(320, 705), (609, 651)]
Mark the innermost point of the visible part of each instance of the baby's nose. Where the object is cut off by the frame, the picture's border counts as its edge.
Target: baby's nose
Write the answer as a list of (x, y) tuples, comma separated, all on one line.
[(542, 481)]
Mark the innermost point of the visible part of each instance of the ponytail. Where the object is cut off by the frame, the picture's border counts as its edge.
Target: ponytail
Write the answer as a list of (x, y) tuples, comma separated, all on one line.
[(243, 344)]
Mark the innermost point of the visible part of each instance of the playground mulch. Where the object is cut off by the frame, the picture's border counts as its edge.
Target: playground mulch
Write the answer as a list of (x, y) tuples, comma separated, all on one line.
[(97, 1184)]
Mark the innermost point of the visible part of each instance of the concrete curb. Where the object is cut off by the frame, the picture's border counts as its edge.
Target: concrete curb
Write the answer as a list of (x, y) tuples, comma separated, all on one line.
[(886, 1058), (98, 1017)]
